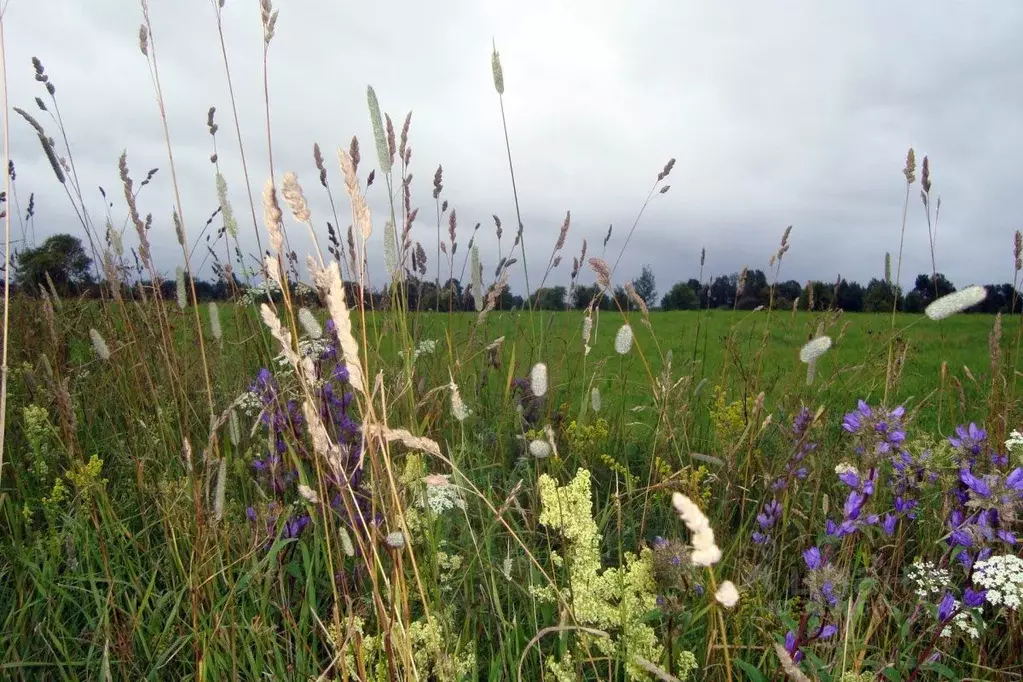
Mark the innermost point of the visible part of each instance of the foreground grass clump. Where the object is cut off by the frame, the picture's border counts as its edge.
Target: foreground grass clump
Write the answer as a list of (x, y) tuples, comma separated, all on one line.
[(316, 481)]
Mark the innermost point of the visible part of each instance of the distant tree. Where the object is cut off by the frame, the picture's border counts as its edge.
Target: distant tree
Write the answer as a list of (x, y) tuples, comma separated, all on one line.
[(787, 291), (583, 296), (755, 291), (62, 257), (850, 296), (926, 285), (645, 286), (914, 302), (681, 296), (880, 296), (722, 291), (550, 298)]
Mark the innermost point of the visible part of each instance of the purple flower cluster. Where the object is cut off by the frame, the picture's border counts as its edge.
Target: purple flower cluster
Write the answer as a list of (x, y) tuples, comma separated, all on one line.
[(276, 469), (862, 488), (794, 469), (879, 430), (986, 503)]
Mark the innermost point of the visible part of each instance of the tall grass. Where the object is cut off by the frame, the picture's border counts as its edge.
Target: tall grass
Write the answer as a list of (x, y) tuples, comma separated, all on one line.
[(310, 482)]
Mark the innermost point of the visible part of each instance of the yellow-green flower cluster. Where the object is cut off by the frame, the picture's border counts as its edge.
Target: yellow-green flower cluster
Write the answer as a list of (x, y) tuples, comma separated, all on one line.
[(613, 599)]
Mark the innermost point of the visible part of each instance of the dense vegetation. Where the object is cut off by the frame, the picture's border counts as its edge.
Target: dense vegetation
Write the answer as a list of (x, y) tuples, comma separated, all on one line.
[(285, 475)]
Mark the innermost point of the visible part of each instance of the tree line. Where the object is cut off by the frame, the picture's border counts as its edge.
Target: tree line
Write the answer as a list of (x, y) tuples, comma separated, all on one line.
[(62, 264)]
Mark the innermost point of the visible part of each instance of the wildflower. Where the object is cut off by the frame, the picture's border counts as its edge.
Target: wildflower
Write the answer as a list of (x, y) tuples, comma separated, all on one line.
[(441, 494), (395, 540), (727, 595), (928, 579), (309, 323), (968, 438), (947, 607), (1002, 577), (538, 379), (812, 558), (814, 349), (766, 519), (956, 302), (623, 340), (99, 345)]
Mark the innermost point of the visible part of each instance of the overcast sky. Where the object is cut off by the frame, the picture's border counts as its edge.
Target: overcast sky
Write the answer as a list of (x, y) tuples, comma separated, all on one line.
[(778, 113)]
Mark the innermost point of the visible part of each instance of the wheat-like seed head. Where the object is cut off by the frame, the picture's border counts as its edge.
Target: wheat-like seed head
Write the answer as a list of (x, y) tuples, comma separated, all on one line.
[(910, 169), (383, 152), (498, 72), (293, 194), (272, 216), (99, 345)]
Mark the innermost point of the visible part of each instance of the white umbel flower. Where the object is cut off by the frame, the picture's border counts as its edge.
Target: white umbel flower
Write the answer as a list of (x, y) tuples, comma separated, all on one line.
[(1002, 576), (538, 379), (309, 323), (623, 340), (705, 550), (956, 302), (540, 449), (99, 345), (814, 349), (595, 401), (395, 540), (727, 595), (441, 494)]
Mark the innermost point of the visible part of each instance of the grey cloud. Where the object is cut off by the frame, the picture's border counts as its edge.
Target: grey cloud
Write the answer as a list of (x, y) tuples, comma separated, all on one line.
[(793, 113)]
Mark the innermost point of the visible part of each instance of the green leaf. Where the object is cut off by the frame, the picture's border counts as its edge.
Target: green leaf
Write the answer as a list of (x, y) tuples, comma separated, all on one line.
[(751, 671)]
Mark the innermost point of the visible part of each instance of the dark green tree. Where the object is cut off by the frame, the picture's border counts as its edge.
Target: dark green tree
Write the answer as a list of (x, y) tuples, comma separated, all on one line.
[(62, 257), (646, 286), (681, 296)]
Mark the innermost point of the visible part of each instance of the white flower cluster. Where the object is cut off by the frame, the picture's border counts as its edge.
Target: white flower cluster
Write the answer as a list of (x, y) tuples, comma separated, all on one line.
[(928, 579), (1002, 576), (425, 347), (260, 293), (844, 468), (441, 494), (249, 403), (1015, 444), (963, 622)]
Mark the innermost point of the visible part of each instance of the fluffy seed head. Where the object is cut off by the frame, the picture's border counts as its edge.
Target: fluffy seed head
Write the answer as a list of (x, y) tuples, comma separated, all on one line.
[(309, 323), (180, 289), (214, 312), (595, 399), (727, 595), (623, 340), (814, 348), (540, 449), (538, 379), (956, 302), (395, 540), (587, 328), (308, 494), (99, 345)]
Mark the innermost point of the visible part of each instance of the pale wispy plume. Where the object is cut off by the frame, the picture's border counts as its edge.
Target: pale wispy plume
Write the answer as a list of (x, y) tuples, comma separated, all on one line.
[(595, 401), (458, 408), (814, 349), (214, 312), (180, 281), (99, 345), (705, 550), (727, 595), (538, 379), (956, 302), (623, 340), (309, 323)]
